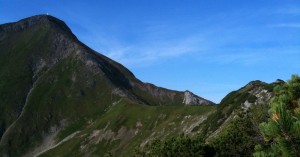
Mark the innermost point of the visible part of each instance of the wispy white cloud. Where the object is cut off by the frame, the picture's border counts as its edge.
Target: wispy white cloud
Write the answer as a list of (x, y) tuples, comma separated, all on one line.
[(154, 51), (159, 41), (236, 58)]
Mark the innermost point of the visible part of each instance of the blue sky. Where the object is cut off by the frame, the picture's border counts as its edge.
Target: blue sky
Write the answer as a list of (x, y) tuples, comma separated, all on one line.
[(209, 47)]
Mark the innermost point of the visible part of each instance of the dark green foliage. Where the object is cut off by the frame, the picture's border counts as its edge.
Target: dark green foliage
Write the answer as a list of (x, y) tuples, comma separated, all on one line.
[(252, 98), (238, 139), (182, 146), (282, 130), (242, 134), (232, 102)]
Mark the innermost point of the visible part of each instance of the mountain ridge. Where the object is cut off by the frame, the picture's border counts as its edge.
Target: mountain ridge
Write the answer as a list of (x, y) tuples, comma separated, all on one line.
[(47, 19), (48, 77)]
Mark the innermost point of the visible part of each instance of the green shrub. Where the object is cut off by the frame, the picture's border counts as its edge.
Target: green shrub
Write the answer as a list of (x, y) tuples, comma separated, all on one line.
[(283, 127)]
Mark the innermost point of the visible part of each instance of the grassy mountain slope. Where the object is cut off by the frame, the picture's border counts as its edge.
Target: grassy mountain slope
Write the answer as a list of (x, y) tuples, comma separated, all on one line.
[(52, 85), (253, 94), (126, 126)]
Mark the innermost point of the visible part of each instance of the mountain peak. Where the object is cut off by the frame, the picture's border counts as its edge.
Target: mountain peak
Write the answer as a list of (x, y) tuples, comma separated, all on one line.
[(278, 81), (32, 21)]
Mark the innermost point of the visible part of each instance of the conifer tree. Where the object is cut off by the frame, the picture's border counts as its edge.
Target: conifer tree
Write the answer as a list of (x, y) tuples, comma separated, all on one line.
[(282, 131)]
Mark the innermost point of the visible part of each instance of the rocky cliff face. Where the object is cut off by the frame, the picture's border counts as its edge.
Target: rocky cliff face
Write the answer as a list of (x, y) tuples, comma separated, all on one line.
[(192, 99)]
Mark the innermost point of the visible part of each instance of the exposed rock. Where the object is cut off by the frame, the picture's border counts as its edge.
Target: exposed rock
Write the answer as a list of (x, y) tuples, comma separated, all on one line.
[(261, 94), (192, 99), (194, 122)]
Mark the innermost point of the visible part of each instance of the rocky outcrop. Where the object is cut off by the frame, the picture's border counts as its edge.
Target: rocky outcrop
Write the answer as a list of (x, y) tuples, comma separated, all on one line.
[(192, 99), (260, 92)]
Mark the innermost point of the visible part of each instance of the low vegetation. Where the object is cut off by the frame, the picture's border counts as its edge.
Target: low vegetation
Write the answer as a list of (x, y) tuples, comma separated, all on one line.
[(282, 130), (254, 132)]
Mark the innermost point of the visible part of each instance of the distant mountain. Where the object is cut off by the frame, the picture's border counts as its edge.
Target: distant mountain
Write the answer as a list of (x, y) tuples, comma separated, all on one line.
[(59, 97)]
